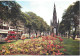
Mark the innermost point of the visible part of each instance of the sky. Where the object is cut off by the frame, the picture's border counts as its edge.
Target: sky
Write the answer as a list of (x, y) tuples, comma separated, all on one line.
[(44, 8)]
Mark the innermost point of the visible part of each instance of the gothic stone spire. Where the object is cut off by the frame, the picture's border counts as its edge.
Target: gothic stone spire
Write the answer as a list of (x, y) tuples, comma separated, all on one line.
[(54, 16)]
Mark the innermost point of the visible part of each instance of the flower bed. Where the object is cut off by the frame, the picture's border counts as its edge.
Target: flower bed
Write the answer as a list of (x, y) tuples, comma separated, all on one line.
[(46, 45)]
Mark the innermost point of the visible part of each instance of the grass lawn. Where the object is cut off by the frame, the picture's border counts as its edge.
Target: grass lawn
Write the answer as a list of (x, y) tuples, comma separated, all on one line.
[(13, 42), (72, 46)]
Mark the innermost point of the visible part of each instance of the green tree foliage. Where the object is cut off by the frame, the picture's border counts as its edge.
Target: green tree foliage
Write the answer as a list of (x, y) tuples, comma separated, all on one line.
[(38, 24), (10, 11), (34, 22), (70, 19), (26, 19)]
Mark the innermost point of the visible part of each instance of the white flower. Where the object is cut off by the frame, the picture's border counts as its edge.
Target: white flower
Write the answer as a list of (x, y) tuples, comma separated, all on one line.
[(3, 50)]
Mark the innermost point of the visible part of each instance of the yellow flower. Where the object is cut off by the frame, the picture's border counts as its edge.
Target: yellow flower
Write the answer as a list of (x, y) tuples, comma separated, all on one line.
[(47, 53), (53, 48), (26, 50), (5, 53), (28, 46), (32, 49), (41, 52), (31, 45), (53, 53), (35, 49), (36, 44), (8, 52), (38, 48), (19, 48)]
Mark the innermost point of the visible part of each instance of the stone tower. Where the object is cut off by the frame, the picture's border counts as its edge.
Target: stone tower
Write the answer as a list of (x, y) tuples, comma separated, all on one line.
[(54, 24)]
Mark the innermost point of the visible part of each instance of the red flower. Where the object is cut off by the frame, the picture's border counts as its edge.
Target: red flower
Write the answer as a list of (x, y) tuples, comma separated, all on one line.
[(64, 50), (42, 36), (52, 45), (61, 46), (10, 37), (43, 39), (31, 37), (46, 37), (56, 36), (52, 34), (58, 53), (59, 37), (0, 51), (14, 37), (61, 40), (23, 38), (56, 46), (36, 36), (48, 46), (9, 41)]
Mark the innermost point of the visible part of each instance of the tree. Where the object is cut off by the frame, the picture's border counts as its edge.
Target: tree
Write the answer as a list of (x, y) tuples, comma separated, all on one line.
[(9, 10), (26, 19), (75, 11), (70, 19), (38, 24)]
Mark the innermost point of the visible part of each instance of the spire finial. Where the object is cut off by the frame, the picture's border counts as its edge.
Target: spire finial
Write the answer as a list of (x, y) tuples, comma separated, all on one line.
[(54, 4), (58, 21)]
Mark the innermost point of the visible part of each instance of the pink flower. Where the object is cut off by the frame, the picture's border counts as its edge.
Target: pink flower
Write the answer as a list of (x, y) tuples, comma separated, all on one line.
[(58, 51), (3, 47), (49, 42)]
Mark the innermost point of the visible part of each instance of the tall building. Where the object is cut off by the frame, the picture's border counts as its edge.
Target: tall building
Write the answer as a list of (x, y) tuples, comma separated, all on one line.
[(54, 24)]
